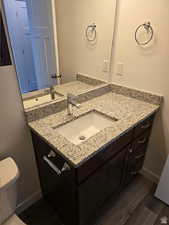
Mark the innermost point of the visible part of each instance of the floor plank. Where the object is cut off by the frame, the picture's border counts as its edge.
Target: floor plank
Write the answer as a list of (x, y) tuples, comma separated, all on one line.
[(147, 211), (40, 214), (120, 211), (164, 213)]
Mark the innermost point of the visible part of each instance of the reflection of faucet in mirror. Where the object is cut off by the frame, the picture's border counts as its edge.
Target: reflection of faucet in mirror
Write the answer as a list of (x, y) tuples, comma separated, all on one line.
[(71, 101), (52, 92)]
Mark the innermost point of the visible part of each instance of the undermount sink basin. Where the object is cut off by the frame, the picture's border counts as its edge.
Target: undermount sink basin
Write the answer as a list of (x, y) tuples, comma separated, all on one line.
[(84, 127), (39, 100)]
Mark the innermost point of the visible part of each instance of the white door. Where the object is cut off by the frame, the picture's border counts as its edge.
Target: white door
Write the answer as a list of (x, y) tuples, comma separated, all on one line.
[(17, 21), (162, 191), (44, 40), (26, 50)]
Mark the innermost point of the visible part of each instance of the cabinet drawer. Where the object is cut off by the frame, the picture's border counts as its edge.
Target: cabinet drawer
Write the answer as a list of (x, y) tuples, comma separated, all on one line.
[(140, 153), (99, 186), (50, 158), (143, 126), (87, 168), (142, 140), (132, 169)]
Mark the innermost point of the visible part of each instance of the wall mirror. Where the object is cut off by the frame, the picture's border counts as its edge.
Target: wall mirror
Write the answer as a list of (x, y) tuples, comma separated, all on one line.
[(54, 40)]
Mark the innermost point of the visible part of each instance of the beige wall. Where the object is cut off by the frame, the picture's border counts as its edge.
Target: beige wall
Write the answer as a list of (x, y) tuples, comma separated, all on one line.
[(146, 68), (15, 140), (75, 53)]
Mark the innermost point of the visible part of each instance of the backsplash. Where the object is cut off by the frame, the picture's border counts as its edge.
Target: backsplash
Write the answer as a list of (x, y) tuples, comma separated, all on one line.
[(88, 80), (138, 94), (59, 105)]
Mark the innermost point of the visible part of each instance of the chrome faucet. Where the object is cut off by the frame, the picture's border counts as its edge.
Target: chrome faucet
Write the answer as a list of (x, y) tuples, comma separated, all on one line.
[(71, 101), (52, 92)]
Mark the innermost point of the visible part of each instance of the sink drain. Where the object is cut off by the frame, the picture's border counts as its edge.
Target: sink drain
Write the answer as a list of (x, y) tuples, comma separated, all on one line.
[(82, 138)]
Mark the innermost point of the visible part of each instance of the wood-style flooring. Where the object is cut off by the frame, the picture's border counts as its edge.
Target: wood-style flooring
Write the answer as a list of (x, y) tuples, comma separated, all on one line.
[(136, 205)]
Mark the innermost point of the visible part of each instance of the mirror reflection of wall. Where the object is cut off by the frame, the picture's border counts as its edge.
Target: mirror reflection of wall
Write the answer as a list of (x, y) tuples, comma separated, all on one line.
[(53, 41), (76, 53)]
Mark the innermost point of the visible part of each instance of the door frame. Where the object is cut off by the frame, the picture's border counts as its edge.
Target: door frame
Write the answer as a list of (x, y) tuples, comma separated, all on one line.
[(53, 3)]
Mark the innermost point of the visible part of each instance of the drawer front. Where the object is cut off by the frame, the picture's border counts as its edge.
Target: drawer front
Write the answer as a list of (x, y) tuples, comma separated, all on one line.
[(137, 149), (101, 157), (134, 159), (96, 189), (140, 153), (143, 126), (53, 161), (132, 169), (142, 140)]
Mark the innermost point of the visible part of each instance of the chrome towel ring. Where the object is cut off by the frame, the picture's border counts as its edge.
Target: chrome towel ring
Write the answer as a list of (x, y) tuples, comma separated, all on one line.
[(147, 26), (91, 32)]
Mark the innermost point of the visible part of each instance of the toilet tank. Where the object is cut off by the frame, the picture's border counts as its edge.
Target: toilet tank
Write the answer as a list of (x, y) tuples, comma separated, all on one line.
[(9, 174)]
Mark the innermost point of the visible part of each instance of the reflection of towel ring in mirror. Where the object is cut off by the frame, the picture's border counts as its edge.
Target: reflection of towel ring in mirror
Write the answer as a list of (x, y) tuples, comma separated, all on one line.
[(91, 29), (147, 26)]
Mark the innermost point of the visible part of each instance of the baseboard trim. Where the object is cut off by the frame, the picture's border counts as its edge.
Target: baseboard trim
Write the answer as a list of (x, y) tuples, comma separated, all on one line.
[(150, 175), (29, 201)]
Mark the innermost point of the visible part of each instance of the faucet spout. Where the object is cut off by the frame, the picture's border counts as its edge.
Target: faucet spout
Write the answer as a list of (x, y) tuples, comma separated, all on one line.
[(52, 92), (71, 101)]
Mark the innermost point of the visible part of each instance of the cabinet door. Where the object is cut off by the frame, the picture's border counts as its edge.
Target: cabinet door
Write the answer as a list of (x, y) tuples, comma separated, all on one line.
[(101, 185), (133, 163), (59, 190)]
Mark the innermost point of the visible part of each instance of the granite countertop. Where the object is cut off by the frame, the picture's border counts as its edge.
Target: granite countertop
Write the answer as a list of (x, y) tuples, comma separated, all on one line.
[(82, 84), (129, 111), (75, 87)]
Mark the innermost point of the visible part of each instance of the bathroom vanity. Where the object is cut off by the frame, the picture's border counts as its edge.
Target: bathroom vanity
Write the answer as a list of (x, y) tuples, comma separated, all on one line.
[(78, 192), (77, 176)]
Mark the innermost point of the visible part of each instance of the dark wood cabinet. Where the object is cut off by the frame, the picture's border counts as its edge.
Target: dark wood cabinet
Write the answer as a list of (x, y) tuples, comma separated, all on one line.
[(78, 192), (99, 186)]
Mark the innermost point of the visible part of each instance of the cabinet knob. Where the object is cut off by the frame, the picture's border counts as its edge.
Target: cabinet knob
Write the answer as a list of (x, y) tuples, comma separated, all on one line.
[(145, 126), (134, 173), (130, 150), (51, 154), (142, 141), (139, 156), (65, 167)]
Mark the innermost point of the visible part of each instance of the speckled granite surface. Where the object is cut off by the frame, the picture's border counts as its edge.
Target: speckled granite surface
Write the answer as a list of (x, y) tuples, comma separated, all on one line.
[(89, 80), (75, 87), (82, 84), (57, 105), (128, 111), (138, 94)]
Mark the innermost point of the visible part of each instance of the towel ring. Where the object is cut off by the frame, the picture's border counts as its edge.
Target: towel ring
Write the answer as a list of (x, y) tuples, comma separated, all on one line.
[(92, 29), (147, 26)]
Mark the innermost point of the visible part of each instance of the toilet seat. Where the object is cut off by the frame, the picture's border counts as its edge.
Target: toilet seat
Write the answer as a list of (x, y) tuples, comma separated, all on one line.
[(14, 220)]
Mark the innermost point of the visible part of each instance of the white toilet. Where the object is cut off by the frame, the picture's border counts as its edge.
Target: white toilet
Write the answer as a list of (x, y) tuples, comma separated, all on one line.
[(9, 174)]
